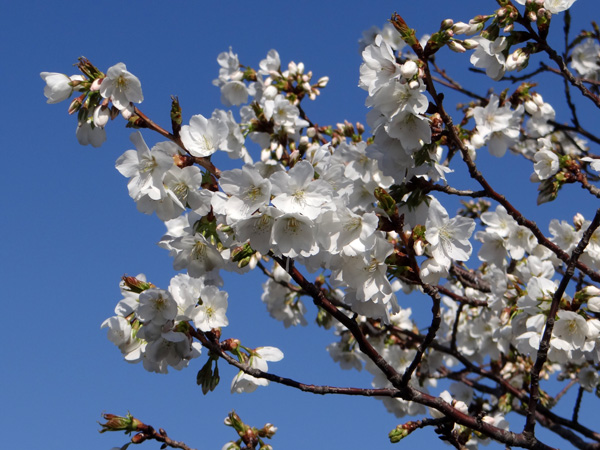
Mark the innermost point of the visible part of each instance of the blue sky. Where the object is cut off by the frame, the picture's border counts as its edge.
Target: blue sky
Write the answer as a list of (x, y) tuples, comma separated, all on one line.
[(71, 231)]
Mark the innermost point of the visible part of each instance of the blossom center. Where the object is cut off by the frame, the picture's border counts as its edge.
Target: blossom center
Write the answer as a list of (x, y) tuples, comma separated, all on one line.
[(122, 82), (198, 250)]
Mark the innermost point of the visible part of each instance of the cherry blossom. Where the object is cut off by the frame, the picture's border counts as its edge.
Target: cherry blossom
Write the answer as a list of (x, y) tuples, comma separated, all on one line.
[(121, 87)]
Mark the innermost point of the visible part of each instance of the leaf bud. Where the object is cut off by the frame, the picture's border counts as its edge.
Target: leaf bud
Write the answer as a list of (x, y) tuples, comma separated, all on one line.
[(134, 285), (401, 431), (139, 438), (120, 423), (407, 34)]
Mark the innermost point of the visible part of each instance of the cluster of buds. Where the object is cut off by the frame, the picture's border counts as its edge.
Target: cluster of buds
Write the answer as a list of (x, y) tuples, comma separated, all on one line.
[(296, 84), (401, 431), (251, 437)]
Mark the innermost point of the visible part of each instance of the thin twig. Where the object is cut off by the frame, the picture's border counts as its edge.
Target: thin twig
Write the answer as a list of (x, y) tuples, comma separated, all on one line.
[(436, 320), (542, 353)]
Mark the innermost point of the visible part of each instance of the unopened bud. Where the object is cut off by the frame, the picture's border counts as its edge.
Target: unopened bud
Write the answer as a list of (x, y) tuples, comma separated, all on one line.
[(531, 107), (466, 28), (230, 344), (470, 44), (96, 84), (323, 81), (76, 104), (538, 99), (578, 221), (409, 69), (134, 285), (517, 60), (311, 132), (127, 112), (101, 116), (139, 438), (419, 247), (456, 46), (446, 24), (268, 431), (120, 423), (401, 431)]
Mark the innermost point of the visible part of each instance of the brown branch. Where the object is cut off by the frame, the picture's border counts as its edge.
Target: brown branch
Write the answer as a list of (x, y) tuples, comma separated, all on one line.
[(311, 388), (436, 320), (455, 327), (560, 62), (460, 298), (577, 404), (408, 393), (161, 436), (576, 129), (542, 353), (427, 186)]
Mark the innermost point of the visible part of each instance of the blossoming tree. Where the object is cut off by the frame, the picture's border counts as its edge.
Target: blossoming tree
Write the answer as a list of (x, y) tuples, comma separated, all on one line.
[(351, 222)]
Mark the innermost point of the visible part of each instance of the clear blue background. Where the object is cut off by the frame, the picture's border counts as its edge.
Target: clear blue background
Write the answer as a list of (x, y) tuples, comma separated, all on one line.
[(70, 231)]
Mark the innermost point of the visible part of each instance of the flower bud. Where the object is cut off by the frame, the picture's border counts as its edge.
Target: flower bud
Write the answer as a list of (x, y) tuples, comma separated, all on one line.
[(578, 221), (456, 46), (101, 115), (76, 104), (127, 112), (323, 82), (470, 44), (517, 60), (267, 431), (446, 24), (466, 28), (531, 107), (409, 69), (419, 247), (96, 84)]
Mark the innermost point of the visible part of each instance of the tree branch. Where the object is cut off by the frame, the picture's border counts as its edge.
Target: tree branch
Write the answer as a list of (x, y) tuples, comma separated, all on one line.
[(542, 353)]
